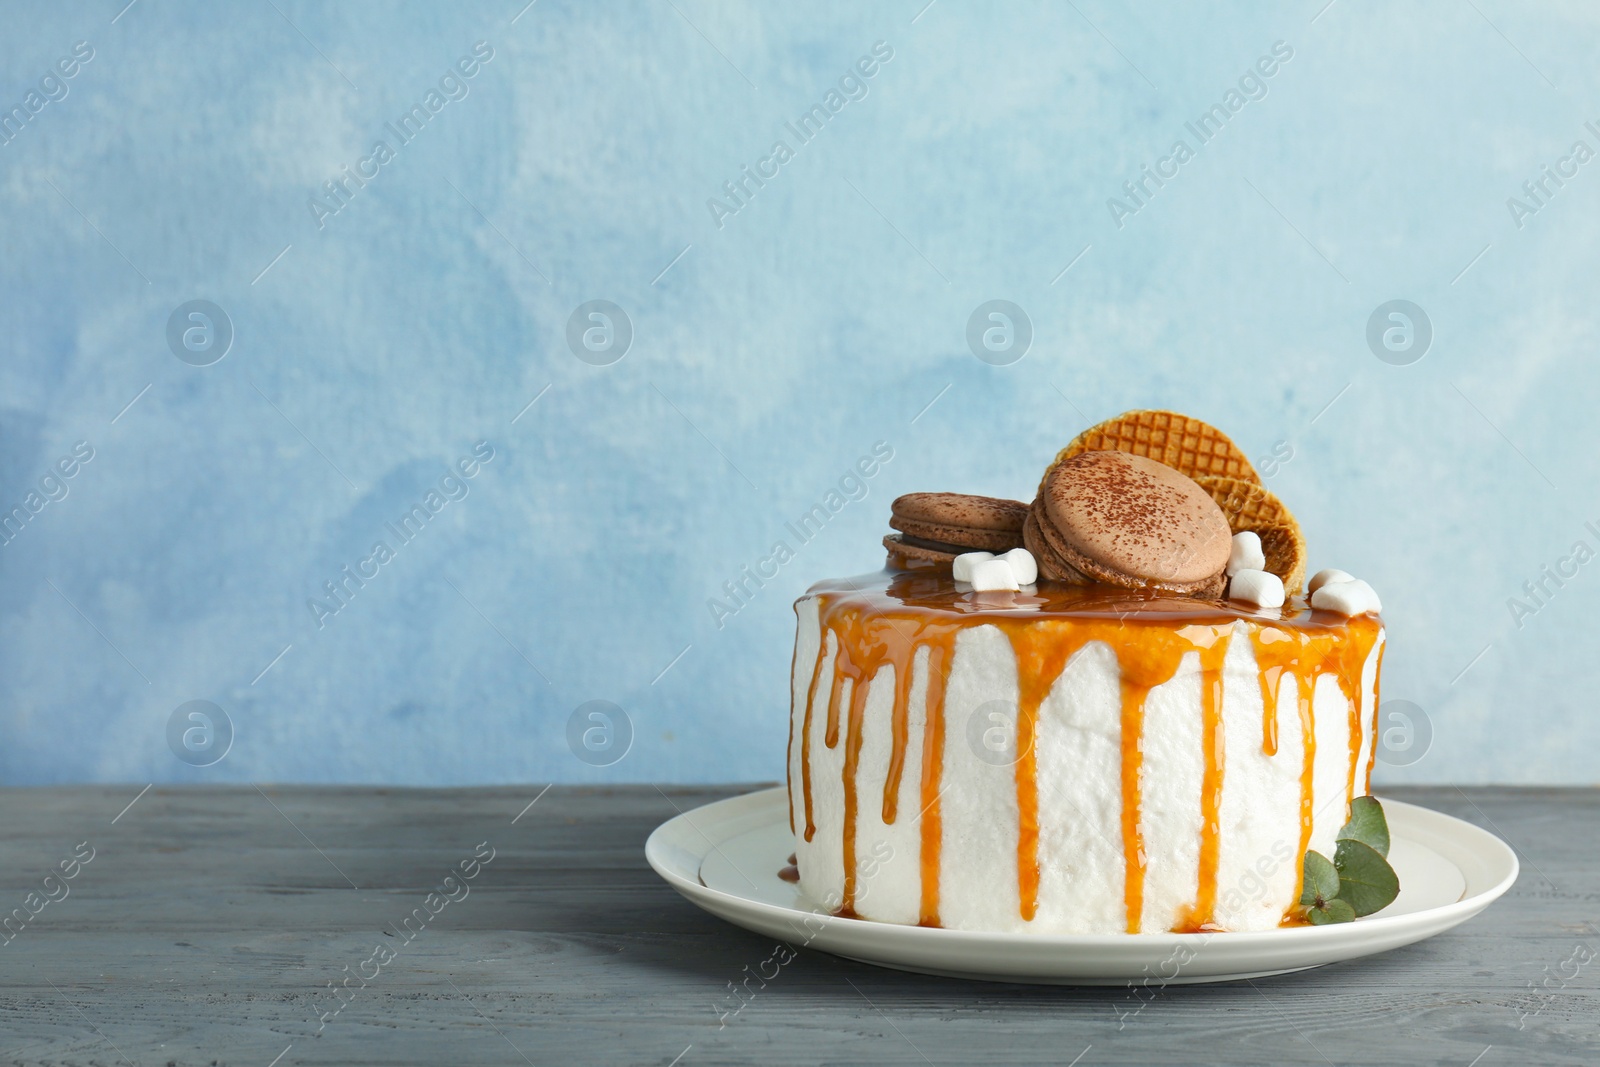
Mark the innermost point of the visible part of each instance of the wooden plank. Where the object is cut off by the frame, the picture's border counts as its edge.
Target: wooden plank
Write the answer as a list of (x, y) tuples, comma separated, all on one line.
[(210, 922)]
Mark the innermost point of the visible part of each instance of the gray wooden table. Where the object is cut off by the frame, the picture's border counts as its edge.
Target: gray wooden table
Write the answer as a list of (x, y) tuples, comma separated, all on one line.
[(210, 926)]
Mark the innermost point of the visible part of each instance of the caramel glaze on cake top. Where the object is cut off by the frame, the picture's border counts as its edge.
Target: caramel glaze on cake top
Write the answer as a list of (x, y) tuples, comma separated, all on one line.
[(882, 619)]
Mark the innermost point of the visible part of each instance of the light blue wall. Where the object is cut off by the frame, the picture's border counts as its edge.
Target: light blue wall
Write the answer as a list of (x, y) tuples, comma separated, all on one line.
[(822, 317)]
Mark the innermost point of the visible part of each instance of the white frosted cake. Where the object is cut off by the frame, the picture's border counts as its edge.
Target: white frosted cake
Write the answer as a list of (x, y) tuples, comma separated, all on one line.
[(1153, 748)]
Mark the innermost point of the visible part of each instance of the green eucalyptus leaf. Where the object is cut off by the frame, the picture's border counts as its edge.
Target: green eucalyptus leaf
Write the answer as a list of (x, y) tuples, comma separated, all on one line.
[(1320, 880), (1367, 825), (1334, 911), (1366, 881)]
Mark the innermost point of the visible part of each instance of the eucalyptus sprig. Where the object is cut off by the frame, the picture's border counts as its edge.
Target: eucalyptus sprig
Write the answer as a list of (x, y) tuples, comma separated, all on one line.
[(1358, 881)]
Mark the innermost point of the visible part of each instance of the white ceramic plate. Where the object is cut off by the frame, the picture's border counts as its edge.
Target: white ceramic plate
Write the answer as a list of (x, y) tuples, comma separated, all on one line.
[(726, 856)]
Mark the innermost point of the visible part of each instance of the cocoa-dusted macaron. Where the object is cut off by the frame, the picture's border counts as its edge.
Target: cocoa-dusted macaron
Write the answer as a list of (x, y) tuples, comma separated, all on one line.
[(1050, 563), (1125, 520), (941, 526)]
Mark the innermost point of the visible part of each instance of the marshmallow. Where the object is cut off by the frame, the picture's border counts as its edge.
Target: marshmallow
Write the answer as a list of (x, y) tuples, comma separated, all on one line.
[(992, 575), (1323, 577), (1245, 553), (1259, 587), (962, 567), (1377, 605), (1023, 565), (1354, 597)]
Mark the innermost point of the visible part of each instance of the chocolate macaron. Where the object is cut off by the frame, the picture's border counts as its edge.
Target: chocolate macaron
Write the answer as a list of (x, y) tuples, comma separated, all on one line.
[(1125, 520), (941, 526)]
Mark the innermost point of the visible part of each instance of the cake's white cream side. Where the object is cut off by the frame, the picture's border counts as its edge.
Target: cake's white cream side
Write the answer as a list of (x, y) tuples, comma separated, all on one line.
[(807, 636), (1258, 869), (821, 860), (978, 801), (1171, 775), (1078, 746), (889, 855)]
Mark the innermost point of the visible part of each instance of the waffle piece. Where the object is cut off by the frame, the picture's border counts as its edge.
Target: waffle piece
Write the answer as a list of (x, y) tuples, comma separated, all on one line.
[(1285, 550), (1185, 444), (1250, 506)]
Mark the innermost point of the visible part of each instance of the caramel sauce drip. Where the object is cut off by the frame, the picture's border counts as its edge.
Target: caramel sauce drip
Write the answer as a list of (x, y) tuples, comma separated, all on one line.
[(1377, 702), (852, 761), (1347, 664), (1134, 859), (941, 652), (1303, 656), (1148, 656), (1202, 916), (865, 641), (1041, 656), (788, 757), (832, 737), (805, 737), (1355, 749), (899, 723), (884, 618), (1276, 651), (1304, 691)]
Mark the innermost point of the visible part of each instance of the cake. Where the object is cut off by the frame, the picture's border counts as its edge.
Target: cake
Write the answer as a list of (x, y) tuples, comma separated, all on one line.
[(1120, 714)]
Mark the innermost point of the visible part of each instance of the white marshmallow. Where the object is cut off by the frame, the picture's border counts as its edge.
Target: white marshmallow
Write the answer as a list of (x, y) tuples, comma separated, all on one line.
[(1023, 565), (1354, 597), (1262, 588), (962, 567), (1323, 577), (1371, 593), (1245, 553), (991, 575)]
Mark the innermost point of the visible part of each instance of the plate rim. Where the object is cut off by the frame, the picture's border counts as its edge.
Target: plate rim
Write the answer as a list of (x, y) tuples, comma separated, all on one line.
[(1489, 848)]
